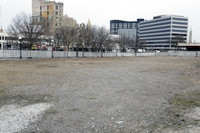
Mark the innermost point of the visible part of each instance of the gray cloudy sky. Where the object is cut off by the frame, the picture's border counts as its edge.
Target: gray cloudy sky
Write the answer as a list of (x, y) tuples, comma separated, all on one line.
[(101, 12)]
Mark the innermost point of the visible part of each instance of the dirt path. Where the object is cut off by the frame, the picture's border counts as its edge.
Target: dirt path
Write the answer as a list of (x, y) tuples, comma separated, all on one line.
[(105, 94)]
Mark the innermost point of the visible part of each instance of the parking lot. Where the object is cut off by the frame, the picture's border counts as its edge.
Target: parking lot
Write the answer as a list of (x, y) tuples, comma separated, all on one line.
[(130, 94)]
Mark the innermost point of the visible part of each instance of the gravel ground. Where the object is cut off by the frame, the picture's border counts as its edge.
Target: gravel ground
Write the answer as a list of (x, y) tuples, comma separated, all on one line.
[(103, 94)]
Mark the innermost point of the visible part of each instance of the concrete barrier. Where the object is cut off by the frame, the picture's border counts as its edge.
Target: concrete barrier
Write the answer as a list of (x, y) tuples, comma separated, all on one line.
[(5, 54)]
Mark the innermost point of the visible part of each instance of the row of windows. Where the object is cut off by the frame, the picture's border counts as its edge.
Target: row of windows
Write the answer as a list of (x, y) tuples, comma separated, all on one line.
[(2, 37), (48, 7), (7, 38), (166, 19), (173, 34), (155, 35), (154, 21), (158, 43), (165, 27), (155, 28), (184, 27), (181, 23), (114, 31), (60, 24), (160, 24), (156, 32), (124, 25), (159, 35), (57, 7), (179, 31), (152, 39), (60, 13), (60, 19), (182, 19)]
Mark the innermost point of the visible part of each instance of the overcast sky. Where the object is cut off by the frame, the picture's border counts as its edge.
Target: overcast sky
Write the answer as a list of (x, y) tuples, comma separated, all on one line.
[(101, 12)]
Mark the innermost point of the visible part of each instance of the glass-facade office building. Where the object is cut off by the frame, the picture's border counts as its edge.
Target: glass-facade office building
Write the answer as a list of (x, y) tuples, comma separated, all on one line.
[(128, 29), (163, 31)]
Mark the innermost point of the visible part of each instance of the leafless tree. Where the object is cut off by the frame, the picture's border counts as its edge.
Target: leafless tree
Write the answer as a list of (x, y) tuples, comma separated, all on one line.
[(58, 36), (68, 36), (109, 44), (88, 38), (100, 37), (136, 44), (80, 38), (28, 27), (124, 41)]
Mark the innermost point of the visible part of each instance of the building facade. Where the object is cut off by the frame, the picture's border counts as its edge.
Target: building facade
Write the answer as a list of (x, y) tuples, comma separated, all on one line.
[(128, 29), (50, 10), (8, 42), (164, 31)]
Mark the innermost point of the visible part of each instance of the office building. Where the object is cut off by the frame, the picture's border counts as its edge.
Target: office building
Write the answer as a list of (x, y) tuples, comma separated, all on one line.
[(128, 29), (164, 31)]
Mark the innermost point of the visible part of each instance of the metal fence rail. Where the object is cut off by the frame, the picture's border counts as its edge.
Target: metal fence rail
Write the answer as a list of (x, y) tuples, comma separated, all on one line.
[(6, 54)]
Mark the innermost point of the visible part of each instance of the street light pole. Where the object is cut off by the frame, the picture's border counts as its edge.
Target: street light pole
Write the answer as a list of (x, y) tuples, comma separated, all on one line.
[(52, 48), (20, 47)]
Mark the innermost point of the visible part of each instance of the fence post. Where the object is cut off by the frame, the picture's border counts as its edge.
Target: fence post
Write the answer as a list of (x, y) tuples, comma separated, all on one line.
[(3, 53), (196, 54)]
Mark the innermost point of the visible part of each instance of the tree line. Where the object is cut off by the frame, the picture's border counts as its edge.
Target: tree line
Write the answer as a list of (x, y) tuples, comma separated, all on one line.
[(78, 37)]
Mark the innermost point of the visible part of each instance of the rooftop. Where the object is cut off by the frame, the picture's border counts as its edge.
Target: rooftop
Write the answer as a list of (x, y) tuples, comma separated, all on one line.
[(166, 16)]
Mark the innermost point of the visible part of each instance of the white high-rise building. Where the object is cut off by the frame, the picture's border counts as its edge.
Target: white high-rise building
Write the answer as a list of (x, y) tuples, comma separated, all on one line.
[(164, 31)]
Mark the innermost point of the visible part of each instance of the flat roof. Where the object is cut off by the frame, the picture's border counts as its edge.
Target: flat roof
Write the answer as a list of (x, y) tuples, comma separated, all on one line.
[(163, 17)]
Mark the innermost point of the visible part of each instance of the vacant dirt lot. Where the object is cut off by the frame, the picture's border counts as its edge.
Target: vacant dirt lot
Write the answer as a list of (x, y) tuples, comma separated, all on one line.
[(143, 94)]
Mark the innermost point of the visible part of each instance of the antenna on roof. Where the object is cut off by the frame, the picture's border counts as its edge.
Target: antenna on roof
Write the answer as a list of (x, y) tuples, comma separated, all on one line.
[(190, 35)]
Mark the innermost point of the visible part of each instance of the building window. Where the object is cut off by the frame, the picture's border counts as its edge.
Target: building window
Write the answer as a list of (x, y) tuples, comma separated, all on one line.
[(40, 13), (56, 18), (47, 18), (56, 13), (125, 26), (0, 37), (47, 7), (60, 19), (133, 25), (120, 25), (7, 38), (47, 12), (129, 25), (60, 24), (40, 7), (60, 13), (56, 24), (60, 7), (56, 7), (113, 25)]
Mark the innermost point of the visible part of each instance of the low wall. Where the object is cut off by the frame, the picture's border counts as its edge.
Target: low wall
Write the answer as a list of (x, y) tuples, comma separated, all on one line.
[(5, 54)]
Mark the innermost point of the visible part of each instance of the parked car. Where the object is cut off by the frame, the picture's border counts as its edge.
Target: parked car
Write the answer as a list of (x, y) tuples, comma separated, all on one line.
[(44, 47), (157, 51), (59, 48), (34, 47)]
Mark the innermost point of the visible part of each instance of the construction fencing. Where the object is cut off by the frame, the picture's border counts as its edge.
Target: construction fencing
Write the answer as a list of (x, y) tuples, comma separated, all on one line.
[(15, 54)]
